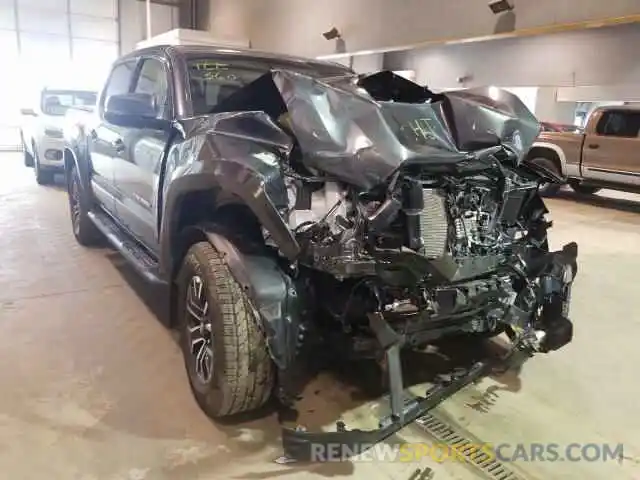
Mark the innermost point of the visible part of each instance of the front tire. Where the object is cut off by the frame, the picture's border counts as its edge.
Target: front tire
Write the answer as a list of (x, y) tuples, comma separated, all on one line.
[(28, 158), (548, 189), (86, 233), (224, 349)]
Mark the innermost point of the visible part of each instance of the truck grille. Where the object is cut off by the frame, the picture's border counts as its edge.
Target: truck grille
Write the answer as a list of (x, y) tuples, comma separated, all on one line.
[(434, 224)]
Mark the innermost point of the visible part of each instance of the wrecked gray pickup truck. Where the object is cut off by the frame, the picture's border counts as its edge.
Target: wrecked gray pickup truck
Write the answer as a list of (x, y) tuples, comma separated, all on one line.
[(293, 207)]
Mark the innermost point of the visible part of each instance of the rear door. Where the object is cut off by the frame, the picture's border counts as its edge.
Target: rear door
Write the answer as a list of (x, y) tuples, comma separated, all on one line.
[(612, 153), (105, 139), (138, 168)]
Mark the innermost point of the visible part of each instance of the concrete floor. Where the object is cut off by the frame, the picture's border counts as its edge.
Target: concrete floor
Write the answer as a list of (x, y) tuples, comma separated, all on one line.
[(93, 385)]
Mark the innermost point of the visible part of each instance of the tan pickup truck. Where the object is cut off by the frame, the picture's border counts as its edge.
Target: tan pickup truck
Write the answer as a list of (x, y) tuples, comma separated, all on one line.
[(605, 155)]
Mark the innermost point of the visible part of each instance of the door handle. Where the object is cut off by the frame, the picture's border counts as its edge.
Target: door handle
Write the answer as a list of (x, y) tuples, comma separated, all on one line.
[(118, 145), (594, 146), (93, 134)]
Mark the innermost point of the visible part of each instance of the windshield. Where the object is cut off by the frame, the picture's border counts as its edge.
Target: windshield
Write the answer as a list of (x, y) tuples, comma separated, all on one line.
[(211, 80), (57, 102)]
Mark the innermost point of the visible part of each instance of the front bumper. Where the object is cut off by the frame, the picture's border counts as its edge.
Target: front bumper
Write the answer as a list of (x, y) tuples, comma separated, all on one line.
[(556, 273)]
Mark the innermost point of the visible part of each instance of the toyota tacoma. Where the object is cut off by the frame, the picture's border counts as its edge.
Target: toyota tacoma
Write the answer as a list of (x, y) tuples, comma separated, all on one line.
[(292, 206)]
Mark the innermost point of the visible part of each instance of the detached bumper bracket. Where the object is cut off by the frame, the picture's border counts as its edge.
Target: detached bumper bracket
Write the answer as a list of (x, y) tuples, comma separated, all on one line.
[(305, 446)]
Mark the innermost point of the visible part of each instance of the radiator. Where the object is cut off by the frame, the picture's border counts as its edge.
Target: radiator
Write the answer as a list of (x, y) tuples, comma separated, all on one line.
[(434, 224)]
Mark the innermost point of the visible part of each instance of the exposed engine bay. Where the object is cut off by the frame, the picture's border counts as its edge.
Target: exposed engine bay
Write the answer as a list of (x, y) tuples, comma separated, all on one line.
[(429, 249)]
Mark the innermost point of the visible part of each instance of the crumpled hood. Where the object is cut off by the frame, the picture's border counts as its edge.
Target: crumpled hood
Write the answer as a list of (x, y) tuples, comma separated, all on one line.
[(363, 133)]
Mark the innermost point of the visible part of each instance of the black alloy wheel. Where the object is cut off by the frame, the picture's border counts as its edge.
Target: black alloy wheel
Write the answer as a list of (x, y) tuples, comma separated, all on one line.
[(84, 230), (199, 331), (74, 205), (225, 350)]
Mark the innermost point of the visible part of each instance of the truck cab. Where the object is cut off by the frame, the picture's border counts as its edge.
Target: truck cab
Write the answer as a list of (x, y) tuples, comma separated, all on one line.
[(128, 166), (605, 155), (611, 148)]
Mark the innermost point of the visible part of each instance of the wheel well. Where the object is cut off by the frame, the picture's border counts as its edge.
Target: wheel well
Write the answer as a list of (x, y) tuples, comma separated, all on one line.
[(542, 152), (195, 210), (199, 208)]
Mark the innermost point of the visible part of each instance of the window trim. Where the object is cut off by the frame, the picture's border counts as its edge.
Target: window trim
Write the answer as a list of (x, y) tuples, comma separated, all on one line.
[(166, 67), (102, 99)]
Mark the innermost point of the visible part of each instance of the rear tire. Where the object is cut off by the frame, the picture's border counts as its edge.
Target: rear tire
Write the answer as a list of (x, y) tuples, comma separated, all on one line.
[(43, 177), (225, 352), (85, 231), (584, 189), (548, 189), (28, 158)]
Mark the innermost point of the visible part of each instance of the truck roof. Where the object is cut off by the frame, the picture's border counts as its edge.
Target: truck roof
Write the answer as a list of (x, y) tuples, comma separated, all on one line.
[(630, 108), (54, 88), (248, 54)]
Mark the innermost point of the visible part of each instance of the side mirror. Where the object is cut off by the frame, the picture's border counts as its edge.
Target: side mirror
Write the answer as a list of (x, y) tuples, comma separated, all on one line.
[(28, 112), (134, 110)]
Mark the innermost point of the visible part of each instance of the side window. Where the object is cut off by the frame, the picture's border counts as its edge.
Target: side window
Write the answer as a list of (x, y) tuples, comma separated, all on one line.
[(119, 81), (153, 80), (619, 124)]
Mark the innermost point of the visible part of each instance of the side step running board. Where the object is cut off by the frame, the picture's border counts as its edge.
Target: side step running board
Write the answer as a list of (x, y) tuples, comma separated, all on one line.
[(143, 263)]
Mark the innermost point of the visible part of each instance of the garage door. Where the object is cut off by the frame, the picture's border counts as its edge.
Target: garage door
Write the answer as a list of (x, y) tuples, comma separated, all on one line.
[(57, 43)]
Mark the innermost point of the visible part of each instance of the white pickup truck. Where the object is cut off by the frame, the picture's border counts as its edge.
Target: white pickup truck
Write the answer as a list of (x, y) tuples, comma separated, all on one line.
[(41, 129)]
